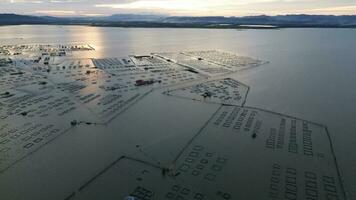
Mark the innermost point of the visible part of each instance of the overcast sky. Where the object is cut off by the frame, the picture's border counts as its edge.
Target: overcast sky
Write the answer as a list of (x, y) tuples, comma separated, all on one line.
[(177, 7)]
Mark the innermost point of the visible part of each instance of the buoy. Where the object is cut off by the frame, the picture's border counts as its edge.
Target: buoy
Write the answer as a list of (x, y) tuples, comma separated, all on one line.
[(74, 123)]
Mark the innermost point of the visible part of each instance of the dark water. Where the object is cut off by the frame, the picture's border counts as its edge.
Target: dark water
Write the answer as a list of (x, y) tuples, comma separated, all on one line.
[(311, 74)]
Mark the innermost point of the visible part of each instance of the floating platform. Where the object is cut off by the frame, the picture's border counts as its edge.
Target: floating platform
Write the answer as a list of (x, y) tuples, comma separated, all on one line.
[(221, 91), (281, 156)]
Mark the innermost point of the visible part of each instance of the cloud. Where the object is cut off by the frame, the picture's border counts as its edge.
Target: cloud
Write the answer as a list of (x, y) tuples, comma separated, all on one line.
[(57, 12), (205, 7), (161, 4), (23, 1), (182, 7), (343, 10)]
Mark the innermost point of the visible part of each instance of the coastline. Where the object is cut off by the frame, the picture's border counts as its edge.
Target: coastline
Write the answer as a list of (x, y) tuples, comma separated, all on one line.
[(186, 25)]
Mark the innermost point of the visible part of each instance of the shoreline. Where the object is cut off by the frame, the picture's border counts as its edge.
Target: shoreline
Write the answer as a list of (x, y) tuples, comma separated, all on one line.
[(187, 26)]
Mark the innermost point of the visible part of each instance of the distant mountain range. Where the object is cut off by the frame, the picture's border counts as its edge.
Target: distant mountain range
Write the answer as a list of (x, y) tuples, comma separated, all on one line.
[(13, 19), (133, 20)]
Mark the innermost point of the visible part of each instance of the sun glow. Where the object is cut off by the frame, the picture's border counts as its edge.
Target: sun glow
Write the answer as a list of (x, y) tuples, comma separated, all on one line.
[(178, 7)]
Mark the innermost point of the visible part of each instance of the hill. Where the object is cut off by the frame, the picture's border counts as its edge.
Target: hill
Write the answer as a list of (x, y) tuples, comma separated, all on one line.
[(134, 20)]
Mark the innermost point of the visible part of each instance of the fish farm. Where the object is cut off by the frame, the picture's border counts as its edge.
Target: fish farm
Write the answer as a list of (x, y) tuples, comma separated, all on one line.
[(166, 125)]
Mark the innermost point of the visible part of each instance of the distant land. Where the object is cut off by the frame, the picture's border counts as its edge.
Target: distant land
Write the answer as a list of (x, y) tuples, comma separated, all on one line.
[(136, 20)]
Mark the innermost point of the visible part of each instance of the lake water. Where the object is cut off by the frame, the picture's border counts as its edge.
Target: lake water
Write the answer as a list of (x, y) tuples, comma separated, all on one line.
[(310, 75)]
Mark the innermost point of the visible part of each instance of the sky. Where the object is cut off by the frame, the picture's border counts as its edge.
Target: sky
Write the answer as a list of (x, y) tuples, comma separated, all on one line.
[(177, 7)]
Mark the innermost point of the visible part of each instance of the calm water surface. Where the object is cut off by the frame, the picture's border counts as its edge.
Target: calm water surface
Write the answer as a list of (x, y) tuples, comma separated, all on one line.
[(311, 73)]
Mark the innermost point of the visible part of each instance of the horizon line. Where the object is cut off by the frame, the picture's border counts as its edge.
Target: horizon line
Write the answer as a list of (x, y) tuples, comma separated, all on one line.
[(167, 15)]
